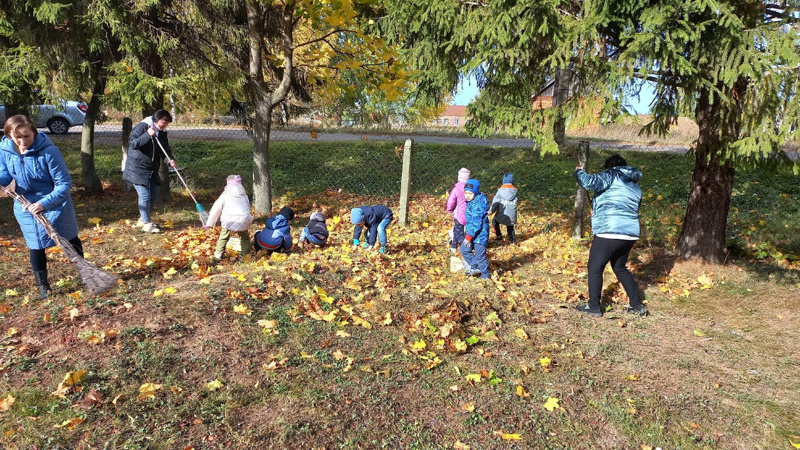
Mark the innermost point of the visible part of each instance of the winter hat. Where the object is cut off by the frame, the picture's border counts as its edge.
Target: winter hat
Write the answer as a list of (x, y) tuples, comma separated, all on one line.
[(287, 212), (508, 178), (316, 215), (356, 216), (463, 175), (473, 186), (233, 180)]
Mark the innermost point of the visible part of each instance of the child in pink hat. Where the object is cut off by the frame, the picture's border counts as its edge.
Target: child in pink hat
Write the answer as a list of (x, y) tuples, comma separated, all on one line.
[(232, 208), (456, 206)]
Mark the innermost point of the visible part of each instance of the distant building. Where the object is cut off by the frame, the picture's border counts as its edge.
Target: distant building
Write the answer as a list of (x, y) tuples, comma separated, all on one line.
[(453, 116), (546, 96)]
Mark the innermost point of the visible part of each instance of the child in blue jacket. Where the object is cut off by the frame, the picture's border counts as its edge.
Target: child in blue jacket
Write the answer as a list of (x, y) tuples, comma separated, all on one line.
[(316, 232), (276, 235), (473, 249), (375, 219)]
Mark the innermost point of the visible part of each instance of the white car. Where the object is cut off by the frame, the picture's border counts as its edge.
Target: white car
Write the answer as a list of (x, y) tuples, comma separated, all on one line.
[(58, 118)]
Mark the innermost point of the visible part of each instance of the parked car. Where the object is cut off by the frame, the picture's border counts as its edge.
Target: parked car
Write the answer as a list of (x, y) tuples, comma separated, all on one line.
[(58, 117)]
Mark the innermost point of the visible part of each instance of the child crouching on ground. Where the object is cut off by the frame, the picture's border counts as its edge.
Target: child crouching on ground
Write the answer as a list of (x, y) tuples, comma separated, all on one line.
[(456, 205), (473, 250), (232, 209), (504, 208), (374, 219), (316, 232), (276, 235)]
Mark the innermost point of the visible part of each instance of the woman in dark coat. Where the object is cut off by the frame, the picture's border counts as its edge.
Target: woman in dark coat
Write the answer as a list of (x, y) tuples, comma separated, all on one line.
[(28, 157), (141, 166)]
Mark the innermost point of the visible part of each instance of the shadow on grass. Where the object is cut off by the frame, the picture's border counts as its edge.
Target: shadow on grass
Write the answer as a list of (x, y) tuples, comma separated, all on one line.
[(764, 271)]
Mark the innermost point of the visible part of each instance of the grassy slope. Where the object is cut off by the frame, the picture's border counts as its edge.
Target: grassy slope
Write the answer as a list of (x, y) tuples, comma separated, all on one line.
[(715, 366)]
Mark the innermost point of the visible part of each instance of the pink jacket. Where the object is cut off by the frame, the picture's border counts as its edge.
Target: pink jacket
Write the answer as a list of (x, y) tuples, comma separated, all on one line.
[(232, 208), (457, 204)]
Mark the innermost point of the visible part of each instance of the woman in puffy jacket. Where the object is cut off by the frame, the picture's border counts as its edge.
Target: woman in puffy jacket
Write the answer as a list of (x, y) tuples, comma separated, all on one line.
[(232, 209), (615, 226), (28, 157)]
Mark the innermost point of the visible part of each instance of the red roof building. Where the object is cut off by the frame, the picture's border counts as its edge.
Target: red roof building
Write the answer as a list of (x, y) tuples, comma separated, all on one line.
[(453, 116)]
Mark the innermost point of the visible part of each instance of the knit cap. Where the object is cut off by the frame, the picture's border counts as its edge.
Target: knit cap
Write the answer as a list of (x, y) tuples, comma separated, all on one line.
[(473, 186), (287, 212), (508, 178), (463, 175), (356, 216)]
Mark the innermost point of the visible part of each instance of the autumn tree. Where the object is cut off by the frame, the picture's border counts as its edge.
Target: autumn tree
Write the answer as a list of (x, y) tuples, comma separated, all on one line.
[(283, 50)]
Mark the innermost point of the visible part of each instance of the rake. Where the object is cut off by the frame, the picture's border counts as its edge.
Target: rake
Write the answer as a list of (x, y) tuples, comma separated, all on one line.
[(97, 281), (200, 210)]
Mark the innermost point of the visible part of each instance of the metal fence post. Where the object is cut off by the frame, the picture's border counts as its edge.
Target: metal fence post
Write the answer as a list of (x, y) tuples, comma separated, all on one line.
[(581, 194), (405, 182), (127, 126)]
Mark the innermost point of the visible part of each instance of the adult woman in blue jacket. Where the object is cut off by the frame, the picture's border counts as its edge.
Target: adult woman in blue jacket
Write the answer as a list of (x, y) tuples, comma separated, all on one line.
[(615, 225), (36, 165)]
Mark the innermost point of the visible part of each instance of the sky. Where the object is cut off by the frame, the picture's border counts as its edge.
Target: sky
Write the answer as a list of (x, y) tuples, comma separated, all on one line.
[(468, 89)]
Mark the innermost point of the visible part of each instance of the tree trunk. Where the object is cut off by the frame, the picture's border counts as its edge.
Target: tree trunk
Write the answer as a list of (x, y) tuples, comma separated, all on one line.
[(91, 181), (262, 181), (705, 223)]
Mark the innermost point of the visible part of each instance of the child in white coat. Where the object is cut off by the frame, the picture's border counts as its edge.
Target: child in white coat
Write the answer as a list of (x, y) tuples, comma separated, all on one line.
[(232, 208)]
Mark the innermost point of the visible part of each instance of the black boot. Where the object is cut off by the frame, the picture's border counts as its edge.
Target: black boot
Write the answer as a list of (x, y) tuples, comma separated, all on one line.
[(41, 281)]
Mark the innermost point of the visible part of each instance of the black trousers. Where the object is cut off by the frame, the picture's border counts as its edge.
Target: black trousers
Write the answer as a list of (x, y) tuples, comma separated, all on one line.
[(616, 252), (509, 229), (39, 260)]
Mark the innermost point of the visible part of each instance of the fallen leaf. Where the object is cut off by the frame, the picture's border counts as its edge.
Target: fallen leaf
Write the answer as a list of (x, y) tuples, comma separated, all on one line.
[(551, 404), (521, 391), (92, 399), (148, 390), (699, 333), (214, 385), (242, 309), (94, 220), (521, 333), (6, 403), (469, 407), (70, 424)]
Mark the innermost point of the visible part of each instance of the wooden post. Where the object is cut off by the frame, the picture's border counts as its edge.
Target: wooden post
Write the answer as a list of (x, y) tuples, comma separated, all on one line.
[(127, 126), (580, 194), (405, 182)]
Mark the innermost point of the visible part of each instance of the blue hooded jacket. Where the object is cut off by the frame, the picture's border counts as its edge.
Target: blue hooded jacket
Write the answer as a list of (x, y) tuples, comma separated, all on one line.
[(372, 217), (41, 176), (276, 235), (616, 199), (477, 224)]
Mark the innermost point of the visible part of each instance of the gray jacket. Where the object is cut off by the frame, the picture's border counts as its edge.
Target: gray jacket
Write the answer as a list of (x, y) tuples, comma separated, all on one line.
[(505, 205)]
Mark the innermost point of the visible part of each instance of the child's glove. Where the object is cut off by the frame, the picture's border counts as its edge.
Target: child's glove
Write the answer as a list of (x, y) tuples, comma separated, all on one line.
[(468, 241)]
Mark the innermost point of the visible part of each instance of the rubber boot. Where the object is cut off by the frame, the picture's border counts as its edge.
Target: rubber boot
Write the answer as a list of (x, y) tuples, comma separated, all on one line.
[(41, 281)]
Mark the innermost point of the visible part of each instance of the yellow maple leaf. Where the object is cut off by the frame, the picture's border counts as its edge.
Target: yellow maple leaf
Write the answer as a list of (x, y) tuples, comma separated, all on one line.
[(460, 446), (242, 309), (267, 323), (214, 385), (94, 220), (419, 345), (158, 293), (705, 281), (342, 333), (476, 377), (521, 333), (551, 404), (460, 345), (511, 436), (148, 390), (469, 407), (792, 442), (521, 391), (545, 362), (6, 403), (73, 378), (633, 377), (699, 333), (169, 273), (298, 277), (11, 293), (70, 423), (387, 320), (359, 321), (170, 290)]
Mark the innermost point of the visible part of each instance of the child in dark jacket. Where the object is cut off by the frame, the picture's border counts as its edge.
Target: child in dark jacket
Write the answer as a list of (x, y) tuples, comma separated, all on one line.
[(316, 232), (375, 219), (276, 235), (473, 250), (504, 208)]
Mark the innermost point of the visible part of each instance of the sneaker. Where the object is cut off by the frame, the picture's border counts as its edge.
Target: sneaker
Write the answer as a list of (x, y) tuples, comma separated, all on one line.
[(139, 224), (217, 255), (150, 227), (383, 249), (453, 250), (586, 310), (472, 273), (639, 310)]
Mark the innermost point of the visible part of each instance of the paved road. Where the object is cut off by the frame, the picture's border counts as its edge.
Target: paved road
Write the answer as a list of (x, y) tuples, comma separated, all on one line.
[(112, 134)]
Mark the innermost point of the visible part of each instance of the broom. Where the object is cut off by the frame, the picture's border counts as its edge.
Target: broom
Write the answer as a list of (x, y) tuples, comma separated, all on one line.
[(200, 210), (97, 281)]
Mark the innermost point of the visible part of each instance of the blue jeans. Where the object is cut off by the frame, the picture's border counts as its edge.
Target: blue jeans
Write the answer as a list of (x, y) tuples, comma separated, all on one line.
[(476, 258), (381, 232), (305, 235), (147, 197)]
